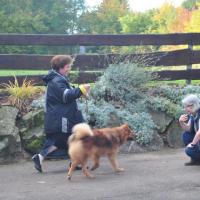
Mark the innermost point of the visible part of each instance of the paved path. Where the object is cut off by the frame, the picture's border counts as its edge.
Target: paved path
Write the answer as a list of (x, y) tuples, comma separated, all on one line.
[(156, 175)]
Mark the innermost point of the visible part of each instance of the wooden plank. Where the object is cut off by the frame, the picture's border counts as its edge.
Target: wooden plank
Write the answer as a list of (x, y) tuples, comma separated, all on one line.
[(81, 77), (14, 61), (37, 79), (193, 74), (86, 77), (100, 61), (100, 40)]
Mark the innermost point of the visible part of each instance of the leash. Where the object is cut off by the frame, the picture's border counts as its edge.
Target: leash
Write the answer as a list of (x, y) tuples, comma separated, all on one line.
[(86, 105)]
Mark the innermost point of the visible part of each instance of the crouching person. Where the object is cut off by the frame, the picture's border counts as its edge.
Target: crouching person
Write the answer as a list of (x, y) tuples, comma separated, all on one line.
[(62, 111), (190, 122)]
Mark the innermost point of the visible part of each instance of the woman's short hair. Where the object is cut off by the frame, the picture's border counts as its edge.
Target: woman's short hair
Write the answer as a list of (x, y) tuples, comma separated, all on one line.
[(191, 100), (59, 61)]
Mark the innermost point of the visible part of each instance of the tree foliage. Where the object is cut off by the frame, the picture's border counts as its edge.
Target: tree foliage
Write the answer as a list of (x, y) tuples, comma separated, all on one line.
[(190, 4), (138, 23), (39, 17), (181, 21), (110, 17), (194, 25), (105, 18)]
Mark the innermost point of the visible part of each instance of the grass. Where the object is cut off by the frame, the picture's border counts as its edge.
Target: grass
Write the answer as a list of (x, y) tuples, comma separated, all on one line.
[(22, 72), (11, 72), (174, 82)]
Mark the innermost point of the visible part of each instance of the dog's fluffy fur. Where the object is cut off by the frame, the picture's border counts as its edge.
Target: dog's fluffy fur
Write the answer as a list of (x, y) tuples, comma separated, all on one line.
[(85, 143)]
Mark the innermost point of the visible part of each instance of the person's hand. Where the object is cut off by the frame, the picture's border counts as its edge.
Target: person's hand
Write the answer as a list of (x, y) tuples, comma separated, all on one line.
[(190, 145), (85, 89), (183, 118)]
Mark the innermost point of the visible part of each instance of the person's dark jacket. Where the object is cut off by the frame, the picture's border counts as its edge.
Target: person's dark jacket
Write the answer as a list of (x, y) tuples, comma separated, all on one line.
[(61, 110), (195, 122)]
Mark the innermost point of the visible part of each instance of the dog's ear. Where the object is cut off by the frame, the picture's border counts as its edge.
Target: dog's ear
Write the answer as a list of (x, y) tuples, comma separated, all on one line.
[(125, 126), (128, 129)]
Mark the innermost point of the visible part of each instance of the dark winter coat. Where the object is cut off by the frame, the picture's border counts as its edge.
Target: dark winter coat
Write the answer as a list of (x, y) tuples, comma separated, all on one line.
[(61, 110), (195, 122)]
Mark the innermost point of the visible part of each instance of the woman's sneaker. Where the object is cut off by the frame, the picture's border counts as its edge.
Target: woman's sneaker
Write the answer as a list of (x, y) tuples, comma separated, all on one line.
[(37, 163)]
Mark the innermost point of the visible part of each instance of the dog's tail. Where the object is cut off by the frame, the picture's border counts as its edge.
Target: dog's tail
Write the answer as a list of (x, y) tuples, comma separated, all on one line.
[(80, 131)]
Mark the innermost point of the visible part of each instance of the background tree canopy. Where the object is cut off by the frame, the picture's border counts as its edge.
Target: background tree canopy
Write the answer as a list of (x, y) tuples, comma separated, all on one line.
[(110, 17)]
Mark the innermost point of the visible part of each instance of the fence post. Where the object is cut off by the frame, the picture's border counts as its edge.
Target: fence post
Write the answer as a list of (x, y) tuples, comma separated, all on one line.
[(82, 50), (189, 67)]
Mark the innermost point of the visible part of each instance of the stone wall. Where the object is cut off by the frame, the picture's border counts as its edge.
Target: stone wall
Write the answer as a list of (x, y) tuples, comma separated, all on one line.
[(26, 134), (10, 142)]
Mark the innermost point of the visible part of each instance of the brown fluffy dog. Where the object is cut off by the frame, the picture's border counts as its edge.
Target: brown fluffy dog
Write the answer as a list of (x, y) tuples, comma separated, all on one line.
[(85, 143)]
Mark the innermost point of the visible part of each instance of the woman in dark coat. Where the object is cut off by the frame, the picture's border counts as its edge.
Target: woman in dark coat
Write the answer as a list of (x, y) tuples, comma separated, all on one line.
[(61, 109), (190, 122)]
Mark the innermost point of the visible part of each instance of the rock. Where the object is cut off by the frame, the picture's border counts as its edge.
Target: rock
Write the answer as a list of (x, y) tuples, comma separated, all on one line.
[(31, 131), (10, 143), (131, 147), (174, 135), (168, 129), (156, 143), (32, 139), (32, 119), (38, 103), (161, 119)]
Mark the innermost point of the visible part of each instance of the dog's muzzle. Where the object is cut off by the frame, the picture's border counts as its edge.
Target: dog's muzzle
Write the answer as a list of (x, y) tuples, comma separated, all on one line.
[(131, 136)]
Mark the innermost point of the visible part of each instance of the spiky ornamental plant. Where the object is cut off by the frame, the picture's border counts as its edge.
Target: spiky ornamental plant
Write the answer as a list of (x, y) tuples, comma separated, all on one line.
[(20, 96)]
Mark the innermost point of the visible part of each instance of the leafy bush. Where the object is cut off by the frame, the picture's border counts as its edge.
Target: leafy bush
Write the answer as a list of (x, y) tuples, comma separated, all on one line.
[(171, 93), (169, 99), (97, 114), (102, 114), (123, 92), (122, 82), (119, 96), (141, 123), (164, 105)]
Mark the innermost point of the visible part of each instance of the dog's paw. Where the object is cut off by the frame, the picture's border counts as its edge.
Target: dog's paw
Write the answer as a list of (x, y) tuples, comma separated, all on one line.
[(94, 167), (90, 176), (119, 170)]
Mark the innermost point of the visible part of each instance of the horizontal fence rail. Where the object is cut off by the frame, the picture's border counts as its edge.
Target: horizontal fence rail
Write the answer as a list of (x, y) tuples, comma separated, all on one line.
[(100, 40), (88, 77), (91, 62), (96, 62), (81, 77)]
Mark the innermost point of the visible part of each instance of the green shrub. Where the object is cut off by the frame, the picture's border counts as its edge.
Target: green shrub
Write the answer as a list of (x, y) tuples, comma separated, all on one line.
[(122, 82), (141, 123), (119, 97), (122, 95), (169, 99)]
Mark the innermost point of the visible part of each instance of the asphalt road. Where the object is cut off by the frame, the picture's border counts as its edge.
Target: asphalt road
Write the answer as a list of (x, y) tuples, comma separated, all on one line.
[(155, 175)]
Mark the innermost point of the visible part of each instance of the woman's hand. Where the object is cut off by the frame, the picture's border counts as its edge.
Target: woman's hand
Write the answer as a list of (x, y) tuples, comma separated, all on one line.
[(190, 145), (183, 118), (85, 89)]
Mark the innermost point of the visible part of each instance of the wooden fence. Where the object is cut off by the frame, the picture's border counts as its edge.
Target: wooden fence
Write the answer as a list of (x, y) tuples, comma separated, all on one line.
[(87, 62)]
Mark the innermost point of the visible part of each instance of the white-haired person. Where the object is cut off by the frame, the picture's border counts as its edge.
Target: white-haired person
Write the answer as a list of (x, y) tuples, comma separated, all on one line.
[(190, 122)]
